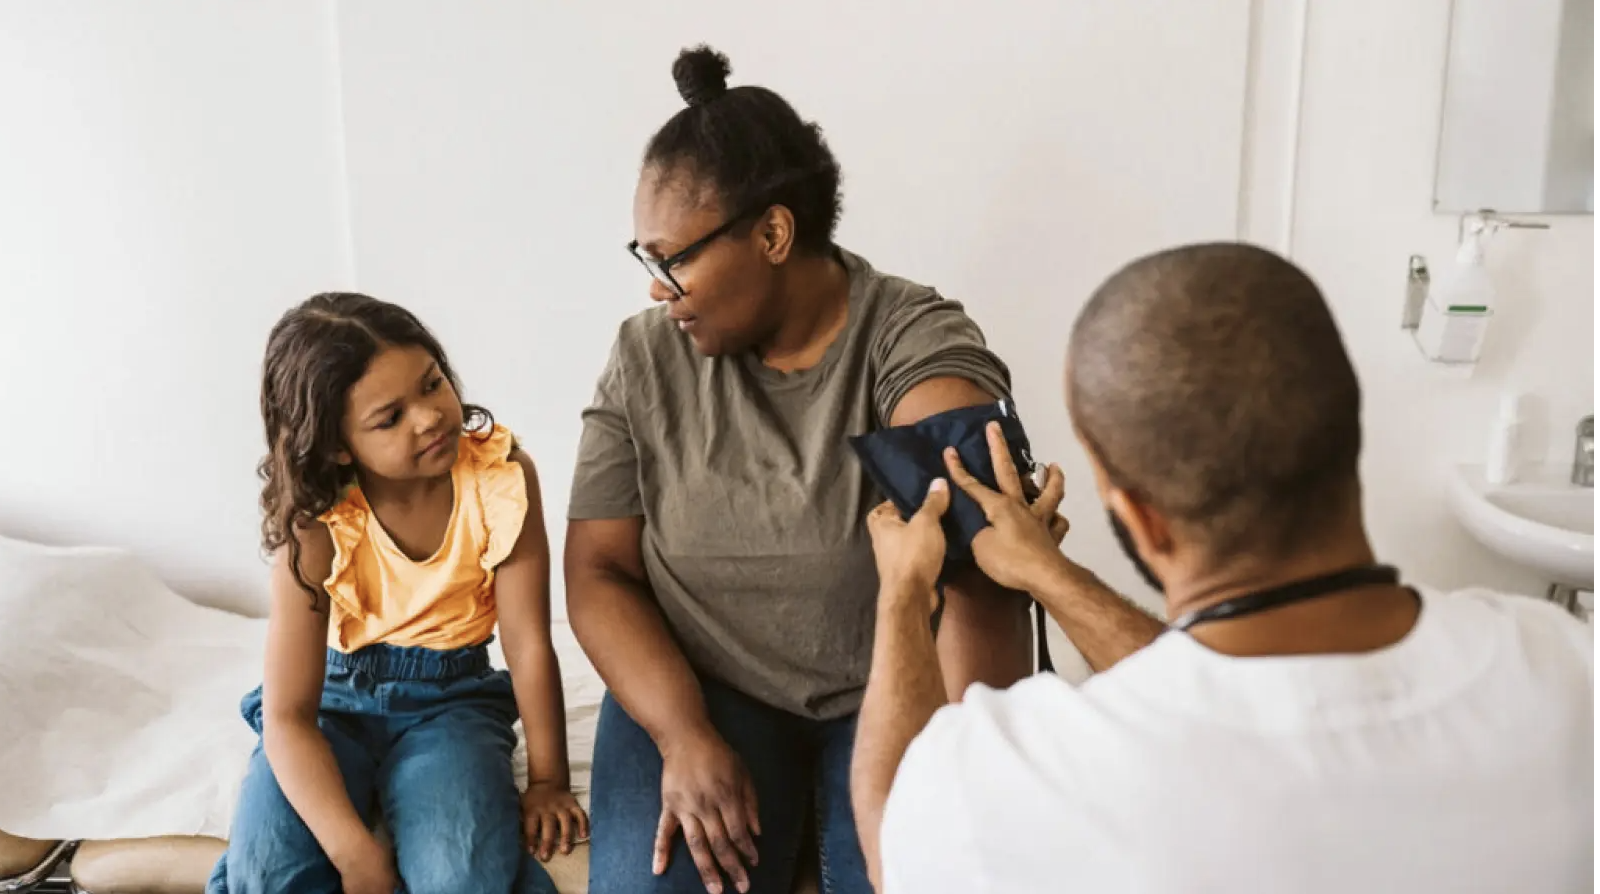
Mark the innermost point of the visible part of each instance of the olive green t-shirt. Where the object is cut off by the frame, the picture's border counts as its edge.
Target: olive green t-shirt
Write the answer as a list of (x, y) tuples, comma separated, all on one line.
[(754, 504)]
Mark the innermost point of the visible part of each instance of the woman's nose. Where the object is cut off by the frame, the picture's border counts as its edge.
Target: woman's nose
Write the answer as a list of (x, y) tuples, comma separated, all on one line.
[(660, 291)]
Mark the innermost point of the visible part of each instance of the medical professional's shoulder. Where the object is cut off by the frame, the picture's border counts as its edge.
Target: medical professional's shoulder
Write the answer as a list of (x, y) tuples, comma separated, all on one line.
[(1536, 630), (1009, 733), (973, 771)]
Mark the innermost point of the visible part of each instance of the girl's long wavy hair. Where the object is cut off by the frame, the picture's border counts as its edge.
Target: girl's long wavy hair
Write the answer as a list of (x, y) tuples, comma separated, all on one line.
[(315, 353)]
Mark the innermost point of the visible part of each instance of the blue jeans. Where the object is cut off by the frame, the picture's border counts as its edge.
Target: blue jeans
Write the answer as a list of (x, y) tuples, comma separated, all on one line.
[(423, 737), (797, 765)]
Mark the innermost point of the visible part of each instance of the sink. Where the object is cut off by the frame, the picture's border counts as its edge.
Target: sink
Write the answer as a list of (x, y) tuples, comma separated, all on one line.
[(1541, 521)]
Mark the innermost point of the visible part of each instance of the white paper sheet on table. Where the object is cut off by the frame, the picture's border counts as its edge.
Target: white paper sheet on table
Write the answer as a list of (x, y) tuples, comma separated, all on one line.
[(119, 699)]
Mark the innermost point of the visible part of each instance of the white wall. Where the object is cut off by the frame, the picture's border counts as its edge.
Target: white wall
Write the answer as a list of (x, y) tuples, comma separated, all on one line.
[(1012, 159), (182, 186), (169, 182)]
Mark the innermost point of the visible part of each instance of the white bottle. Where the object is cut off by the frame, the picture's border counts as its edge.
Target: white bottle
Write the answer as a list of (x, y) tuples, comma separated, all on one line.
[(1504, 456), (1461, 302), (1465, 285)]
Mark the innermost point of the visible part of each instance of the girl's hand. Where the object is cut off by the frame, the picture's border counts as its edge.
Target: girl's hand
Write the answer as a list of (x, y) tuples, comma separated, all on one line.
[(551, 817), (369, 869)]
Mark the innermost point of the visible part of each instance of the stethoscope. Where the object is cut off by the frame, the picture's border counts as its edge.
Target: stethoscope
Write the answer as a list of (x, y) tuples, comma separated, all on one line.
[(1297, 591)]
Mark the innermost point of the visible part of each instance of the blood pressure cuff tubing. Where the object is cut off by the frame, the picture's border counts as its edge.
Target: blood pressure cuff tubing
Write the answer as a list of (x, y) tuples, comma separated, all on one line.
[(904, 460)]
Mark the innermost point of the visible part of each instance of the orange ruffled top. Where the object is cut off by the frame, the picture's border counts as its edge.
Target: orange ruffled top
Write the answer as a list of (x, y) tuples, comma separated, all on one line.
[(378, 594)]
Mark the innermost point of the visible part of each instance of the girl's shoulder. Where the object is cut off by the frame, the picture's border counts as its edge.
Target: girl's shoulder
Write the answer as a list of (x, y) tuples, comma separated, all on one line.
[(495, 463)]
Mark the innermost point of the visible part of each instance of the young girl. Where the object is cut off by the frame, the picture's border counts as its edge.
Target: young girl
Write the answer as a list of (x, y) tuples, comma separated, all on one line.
[(404, 524)]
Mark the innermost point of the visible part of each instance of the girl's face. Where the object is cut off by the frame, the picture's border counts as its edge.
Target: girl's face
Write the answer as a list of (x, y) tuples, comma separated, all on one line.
[(402, 419)]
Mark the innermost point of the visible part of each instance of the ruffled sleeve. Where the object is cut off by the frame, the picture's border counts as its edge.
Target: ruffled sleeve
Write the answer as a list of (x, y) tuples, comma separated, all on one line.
[(502, 494), (347, 525)]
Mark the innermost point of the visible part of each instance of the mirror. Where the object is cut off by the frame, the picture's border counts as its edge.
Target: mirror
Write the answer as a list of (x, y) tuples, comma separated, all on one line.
[(1518, 129)]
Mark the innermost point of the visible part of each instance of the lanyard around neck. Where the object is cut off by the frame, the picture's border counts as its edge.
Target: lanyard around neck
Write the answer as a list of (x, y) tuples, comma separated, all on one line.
[(1296, 591)]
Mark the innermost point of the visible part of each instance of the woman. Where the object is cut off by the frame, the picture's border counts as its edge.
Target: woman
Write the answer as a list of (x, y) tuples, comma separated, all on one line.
[(719, 573)]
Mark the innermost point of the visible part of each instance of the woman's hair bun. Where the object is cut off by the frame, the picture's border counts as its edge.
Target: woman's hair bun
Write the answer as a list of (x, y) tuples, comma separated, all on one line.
[(701, 74)]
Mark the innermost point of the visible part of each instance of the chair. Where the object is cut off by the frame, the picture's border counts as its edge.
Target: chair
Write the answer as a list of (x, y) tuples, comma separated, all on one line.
[(26, 863)]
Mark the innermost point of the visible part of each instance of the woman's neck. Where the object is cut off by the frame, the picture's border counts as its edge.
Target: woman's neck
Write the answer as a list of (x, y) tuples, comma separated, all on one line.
[(815, 306)]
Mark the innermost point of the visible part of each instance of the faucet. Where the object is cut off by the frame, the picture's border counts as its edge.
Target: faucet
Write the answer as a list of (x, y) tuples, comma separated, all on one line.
[(1583, 454)]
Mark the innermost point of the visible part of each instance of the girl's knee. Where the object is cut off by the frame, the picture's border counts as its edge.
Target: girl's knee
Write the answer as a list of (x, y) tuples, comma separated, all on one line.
[(466, 852), (440, 872), (268, 863)]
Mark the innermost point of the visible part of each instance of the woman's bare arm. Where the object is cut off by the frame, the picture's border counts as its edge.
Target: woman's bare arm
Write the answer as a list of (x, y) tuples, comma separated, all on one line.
[(620, 628)]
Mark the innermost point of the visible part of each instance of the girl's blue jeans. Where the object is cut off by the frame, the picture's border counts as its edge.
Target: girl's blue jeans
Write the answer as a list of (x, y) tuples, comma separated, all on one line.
[(423, 738)]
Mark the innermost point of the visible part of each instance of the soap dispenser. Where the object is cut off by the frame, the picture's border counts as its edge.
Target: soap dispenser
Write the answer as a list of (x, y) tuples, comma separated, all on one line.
[(1504, 442), (1461, 300)]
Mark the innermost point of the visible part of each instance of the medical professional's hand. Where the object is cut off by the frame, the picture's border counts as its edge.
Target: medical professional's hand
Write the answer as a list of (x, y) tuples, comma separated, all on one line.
[(706, 793), (1021, 547), (369, 870), (910, 552), (551, 819)]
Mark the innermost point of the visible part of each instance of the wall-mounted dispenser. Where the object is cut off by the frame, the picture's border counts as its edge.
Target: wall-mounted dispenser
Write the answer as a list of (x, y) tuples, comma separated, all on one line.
[(1449, 314)]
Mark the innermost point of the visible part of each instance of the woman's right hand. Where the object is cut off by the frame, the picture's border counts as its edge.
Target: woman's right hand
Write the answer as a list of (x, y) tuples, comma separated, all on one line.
[(368, 869), (706, 793)]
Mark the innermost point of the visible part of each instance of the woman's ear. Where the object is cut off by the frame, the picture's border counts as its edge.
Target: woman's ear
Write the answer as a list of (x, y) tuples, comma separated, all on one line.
[(776, 234), (343, 458)]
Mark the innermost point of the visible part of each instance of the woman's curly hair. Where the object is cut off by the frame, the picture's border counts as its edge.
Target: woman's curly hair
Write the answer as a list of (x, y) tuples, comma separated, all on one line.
[(315, 353)]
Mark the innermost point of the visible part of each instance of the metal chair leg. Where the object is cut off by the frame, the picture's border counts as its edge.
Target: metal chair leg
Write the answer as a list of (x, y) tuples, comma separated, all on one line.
[(33, 878)]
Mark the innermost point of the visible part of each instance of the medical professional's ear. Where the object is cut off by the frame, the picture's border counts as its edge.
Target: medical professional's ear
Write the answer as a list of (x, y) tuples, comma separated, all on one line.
[(1146, 527)]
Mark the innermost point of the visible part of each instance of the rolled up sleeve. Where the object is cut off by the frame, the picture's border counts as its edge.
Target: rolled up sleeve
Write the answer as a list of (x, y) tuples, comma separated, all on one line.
[(931, 337)]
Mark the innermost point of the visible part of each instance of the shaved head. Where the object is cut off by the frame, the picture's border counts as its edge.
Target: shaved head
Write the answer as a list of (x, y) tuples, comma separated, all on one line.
[(1210, 383)]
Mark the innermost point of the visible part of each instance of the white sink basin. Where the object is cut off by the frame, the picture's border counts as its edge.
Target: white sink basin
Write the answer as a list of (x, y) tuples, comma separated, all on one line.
[(1541, 521)]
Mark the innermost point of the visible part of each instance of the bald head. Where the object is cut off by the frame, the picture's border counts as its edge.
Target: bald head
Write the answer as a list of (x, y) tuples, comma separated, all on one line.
[(1211, 383)]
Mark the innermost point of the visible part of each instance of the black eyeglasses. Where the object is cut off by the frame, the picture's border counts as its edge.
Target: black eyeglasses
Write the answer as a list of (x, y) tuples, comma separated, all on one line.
[(661, 268)]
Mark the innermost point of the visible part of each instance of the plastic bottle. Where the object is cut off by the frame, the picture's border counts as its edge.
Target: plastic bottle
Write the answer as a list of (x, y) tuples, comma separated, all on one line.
[(1460, 302), (1465, 286), (1504, 456)]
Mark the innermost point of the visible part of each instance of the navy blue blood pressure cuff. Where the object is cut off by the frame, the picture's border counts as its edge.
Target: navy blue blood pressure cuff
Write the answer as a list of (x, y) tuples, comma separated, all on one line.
[(904, 460)]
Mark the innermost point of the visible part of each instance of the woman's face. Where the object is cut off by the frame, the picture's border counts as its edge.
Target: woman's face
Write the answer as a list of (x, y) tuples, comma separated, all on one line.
[(728, 283)]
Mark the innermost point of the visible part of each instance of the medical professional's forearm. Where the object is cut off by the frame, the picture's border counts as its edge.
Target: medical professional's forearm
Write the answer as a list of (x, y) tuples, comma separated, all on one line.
[(302, 762), (1103, 625), (904, 689)]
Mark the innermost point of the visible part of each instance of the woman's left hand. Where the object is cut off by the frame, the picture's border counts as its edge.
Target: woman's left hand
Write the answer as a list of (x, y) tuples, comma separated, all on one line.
[(551, 818), (910, 552)]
